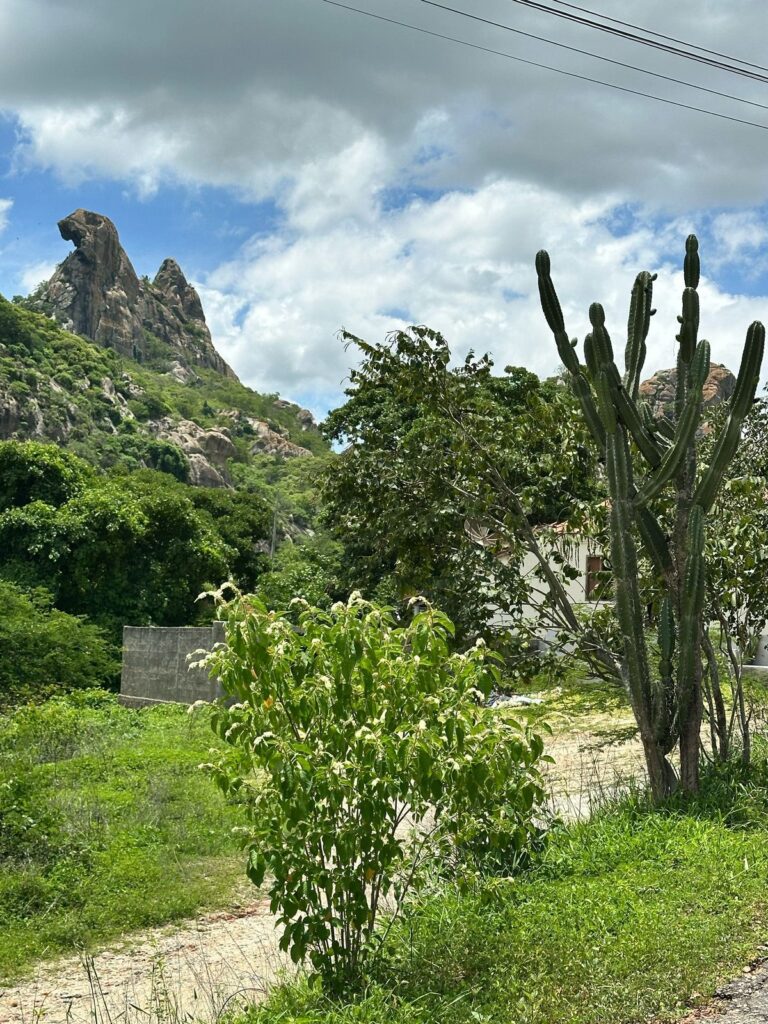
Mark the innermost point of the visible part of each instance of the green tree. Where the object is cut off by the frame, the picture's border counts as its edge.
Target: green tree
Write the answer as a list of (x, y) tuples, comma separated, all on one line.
[(431, 455), (737, 567), (123, 550), (311, 568), (30, 471), (44, 651)]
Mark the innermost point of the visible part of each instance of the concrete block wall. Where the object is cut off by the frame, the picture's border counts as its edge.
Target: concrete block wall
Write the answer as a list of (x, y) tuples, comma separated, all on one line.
[(156, 664)]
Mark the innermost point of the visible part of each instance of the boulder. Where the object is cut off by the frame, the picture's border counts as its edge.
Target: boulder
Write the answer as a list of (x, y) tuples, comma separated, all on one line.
[(182, 373), (269, 442), (203, 474), (10, 416), (206, 450), (659, 390)]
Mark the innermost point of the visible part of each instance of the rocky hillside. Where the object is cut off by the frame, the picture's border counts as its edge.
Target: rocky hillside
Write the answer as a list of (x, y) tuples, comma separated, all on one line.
[(124, 371)]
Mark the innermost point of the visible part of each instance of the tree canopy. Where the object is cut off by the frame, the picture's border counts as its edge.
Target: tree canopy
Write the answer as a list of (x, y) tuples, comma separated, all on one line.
[(432, 452)]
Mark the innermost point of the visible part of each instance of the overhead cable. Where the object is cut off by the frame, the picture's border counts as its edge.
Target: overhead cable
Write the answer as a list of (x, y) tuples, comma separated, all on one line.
[(596, 56), (634, 38), (661, 35), (546, 67)]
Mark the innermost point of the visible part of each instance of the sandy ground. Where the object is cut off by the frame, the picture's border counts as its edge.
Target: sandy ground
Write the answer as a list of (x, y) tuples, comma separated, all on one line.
[(595, 757), (193, 972)]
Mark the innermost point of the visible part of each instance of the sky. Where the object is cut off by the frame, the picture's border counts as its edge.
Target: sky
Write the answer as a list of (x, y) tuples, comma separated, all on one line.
[(313, 168)]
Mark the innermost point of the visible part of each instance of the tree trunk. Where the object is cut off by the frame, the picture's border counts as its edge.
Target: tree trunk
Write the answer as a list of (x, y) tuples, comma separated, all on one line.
[(661, 774), (690, 728)]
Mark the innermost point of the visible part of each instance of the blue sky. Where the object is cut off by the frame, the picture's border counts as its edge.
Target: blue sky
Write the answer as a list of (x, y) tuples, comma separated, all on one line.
[(312, 170)]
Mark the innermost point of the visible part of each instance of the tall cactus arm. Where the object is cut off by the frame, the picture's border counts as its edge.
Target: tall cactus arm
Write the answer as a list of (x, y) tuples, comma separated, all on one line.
[(553, 314), (601, 354), (689, 322), (654, 542), (624, 563), (741, 403), (632, 420), (666, 686), (689, 325), (601, 339), (665, 428), (639, 321), (685, 432), (691, 265)]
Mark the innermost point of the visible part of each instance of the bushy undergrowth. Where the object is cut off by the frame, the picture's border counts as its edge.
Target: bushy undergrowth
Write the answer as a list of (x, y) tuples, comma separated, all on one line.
[(44, 651), (106, 824), (632, 916)]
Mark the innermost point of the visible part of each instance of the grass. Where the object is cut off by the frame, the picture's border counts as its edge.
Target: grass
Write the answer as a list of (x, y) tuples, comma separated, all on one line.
[(635, 915), (106, 825)]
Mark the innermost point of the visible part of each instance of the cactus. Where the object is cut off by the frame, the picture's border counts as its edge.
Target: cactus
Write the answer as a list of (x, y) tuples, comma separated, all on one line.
[(668, 709)]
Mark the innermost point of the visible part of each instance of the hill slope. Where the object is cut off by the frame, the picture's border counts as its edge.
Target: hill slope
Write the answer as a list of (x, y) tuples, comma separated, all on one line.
[(124, 371)]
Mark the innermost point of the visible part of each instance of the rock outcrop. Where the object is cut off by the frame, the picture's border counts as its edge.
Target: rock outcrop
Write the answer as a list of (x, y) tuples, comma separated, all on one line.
[(97, 293), (659, 390), (207, 451), (266, 440)]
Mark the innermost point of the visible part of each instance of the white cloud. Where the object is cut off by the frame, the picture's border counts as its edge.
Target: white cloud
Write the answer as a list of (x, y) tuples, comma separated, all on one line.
[(336, 118), (5, 210), (245, 94), (32, 275), (462, 264)]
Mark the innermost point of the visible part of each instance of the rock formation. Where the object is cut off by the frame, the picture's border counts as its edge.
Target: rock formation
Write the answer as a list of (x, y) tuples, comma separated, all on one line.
[(97, 293), (266, 440), (659, 390), (207, 451)]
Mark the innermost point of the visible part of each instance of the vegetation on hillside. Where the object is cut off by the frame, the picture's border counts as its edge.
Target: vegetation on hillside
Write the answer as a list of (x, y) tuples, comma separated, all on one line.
[(48, 371), (99, 527)]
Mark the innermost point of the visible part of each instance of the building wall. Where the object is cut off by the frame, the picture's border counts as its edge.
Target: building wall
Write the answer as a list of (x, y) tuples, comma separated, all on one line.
[(576, 551), (156, 664)]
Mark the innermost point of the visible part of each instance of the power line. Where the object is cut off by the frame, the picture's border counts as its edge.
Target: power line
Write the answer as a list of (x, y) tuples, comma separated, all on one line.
[(545, 67), (661, 35), (634, 38), (597, 56)]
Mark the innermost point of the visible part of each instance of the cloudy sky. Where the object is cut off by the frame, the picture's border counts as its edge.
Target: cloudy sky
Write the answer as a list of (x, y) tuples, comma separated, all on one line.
[(311, 167)]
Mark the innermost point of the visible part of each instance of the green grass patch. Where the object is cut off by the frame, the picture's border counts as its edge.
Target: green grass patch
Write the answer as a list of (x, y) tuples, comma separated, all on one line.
[(106, 825), (633, 916)]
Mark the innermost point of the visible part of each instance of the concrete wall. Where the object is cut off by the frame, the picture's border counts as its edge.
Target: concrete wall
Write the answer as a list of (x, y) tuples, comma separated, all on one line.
[(156, 667)]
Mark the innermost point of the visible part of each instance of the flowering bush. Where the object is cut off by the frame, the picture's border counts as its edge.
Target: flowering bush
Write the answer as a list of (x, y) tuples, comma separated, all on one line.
[(357, 744)]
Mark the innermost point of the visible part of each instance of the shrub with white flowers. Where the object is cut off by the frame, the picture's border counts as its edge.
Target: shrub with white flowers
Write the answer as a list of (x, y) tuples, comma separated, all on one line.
[(357, 745)]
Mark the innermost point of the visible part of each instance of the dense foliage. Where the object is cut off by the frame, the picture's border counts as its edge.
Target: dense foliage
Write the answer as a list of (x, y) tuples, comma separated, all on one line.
[(357, 731), (131, 549), (431, 454), (45, 651)]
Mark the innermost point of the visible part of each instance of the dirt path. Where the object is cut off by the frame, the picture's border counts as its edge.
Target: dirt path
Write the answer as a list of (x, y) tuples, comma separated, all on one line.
[(744, 1001), (170, 974)]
